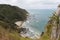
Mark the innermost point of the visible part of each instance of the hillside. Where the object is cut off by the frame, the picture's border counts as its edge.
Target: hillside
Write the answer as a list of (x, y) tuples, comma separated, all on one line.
[(52, 30), (8, 16), (6, 35), (11, 14)]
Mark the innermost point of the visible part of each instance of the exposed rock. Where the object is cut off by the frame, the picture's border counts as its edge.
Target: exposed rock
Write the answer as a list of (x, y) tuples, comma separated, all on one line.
[(52, 31), (55, 34), (10, 14)]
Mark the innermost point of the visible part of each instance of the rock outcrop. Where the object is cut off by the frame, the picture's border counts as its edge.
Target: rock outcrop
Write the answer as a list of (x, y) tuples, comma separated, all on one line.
[(52, 31), (55, 34), (10, 14)]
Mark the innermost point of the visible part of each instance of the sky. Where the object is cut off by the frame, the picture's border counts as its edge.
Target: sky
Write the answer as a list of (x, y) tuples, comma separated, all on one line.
[(33, 4)]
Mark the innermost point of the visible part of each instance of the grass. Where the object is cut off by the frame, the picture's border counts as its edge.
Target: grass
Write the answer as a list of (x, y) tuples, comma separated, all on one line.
[(6, 35)]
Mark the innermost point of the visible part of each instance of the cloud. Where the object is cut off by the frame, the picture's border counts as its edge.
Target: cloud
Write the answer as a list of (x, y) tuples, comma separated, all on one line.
[(32, 4), (51, 2), (40, 4), (12, 2)]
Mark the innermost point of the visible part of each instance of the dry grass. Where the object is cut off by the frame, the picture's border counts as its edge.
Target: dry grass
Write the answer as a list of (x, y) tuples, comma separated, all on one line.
[(6, 35)]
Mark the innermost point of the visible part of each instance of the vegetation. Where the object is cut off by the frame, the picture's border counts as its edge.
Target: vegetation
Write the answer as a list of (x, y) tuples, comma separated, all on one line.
[(6, 35), (50, 25), (8, 16), (11, 14)]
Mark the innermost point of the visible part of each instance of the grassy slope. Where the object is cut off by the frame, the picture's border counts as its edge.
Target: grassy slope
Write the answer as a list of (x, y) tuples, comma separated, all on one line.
[(6, 35)]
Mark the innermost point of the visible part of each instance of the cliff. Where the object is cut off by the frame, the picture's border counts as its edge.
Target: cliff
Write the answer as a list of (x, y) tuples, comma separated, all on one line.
[(52, 30), (11, 14), (8, 16)]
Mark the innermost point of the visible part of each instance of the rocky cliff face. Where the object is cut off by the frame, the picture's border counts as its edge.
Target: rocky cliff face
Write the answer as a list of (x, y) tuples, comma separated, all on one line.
[(52, 31), (55, 33)]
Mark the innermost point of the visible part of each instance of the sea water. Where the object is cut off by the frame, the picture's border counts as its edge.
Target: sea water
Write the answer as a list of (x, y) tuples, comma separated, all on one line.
[(38, 19)]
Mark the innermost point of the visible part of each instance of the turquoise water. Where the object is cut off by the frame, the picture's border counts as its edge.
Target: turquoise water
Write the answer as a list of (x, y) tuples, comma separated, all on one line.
[(40, 18)]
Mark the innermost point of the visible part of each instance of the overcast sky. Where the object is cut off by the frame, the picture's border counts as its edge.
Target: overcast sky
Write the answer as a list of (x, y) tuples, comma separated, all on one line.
[(32, 4)]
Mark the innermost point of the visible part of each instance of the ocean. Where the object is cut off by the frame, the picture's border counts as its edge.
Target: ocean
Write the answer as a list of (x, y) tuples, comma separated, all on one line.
[(38, 19)]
